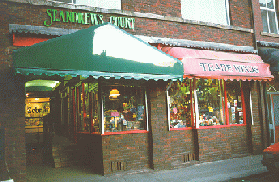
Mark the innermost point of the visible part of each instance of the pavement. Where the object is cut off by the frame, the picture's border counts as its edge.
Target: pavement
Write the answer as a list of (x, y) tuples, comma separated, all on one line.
[(223, 170)]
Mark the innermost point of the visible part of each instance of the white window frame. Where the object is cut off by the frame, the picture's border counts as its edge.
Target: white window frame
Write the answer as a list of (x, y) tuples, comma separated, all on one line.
[(197, 6), (271, 10)]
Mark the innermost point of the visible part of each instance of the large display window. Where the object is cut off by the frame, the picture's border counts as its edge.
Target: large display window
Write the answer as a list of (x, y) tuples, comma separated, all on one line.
[(211, 102), (180, 100), (116, 108), (124, 108), (214, 102)]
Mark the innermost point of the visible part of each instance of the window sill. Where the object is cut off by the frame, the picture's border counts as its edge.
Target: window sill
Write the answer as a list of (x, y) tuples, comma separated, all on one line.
[(220, 126), (270, 34), (125, 132), (175, 129), (237, 124), (88, 133)]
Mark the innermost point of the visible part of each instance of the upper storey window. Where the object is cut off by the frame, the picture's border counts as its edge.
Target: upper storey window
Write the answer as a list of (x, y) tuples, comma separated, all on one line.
[(214, 11), (270, 24), (107, 4)]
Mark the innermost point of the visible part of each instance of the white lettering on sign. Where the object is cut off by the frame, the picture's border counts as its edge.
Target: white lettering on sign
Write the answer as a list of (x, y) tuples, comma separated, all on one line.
[(229, 68)]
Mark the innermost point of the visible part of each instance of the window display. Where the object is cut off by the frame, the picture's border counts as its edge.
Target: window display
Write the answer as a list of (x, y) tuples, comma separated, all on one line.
[(85, 107), (180, 95), (234, 102), (210, 102), (124, 108)]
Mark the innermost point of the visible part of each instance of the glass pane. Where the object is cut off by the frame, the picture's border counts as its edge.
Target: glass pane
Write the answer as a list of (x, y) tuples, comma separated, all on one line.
[(110, 4), (92, 3), (94, 107), (219, 12), (180, 104), (210, 102), (124, 108), (272, 22), (262, 3), (264, 20), (270, 4), (234, 102)]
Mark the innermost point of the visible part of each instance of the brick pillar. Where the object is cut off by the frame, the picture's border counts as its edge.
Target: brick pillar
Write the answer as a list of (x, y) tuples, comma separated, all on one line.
[(256, 128), (12, 119)]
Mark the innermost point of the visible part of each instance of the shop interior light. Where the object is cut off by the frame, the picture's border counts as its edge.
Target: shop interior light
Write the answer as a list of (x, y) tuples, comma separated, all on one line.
[(114, 93)]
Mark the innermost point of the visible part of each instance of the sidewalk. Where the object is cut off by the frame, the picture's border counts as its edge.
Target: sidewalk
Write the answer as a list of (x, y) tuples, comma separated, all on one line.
[(210, 171)]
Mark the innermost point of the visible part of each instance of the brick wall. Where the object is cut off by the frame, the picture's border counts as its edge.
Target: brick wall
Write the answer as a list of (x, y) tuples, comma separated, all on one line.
[(25, 14), (222, 143), (257, 126), (169, 147), (125, 152), (165, 8), (240, 13), (12, 105)]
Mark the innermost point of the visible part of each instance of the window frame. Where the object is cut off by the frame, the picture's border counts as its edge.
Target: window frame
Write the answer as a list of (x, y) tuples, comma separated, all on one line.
[(146, 117), (195, 107), (267, 17)]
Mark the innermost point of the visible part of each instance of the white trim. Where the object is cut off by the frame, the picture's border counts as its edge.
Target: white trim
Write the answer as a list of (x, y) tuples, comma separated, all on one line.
[(251, 109), (102, 115), (168, 108), (197, 114), (146, 110)]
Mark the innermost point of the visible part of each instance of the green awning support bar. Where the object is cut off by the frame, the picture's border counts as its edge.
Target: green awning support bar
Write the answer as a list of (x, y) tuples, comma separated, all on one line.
[(99, 51)]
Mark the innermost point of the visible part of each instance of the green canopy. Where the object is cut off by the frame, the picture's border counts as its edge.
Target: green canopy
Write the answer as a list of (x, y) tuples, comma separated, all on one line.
[(99, 51)]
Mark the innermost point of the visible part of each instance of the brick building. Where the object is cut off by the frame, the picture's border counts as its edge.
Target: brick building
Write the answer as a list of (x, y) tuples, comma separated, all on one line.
[(266, 36), (102, 118)]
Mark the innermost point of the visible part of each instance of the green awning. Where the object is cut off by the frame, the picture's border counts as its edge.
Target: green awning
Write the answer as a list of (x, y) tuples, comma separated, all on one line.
[(99, 51)]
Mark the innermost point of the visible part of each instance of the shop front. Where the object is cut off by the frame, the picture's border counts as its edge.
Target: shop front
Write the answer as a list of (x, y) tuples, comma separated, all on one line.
[(269, 53), (101, 112), (217, 100)]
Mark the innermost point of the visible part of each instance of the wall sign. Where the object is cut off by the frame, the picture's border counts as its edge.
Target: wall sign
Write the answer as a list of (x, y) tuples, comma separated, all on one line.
[(86, 19), (229, 68)]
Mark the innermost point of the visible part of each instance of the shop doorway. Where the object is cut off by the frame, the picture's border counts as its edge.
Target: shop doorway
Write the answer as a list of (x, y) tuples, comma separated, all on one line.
[(37, 108), (274, 122)]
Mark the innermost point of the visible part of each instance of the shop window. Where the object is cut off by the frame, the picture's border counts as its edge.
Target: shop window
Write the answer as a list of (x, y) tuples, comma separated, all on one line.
[(234, 102), (269, 18), (179, 100), (211, 103), (86, 108), (124, 108), (214, 11), (107, 4)]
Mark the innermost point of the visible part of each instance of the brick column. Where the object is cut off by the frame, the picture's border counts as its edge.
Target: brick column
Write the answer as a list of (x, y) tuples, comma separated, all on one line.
[(12, 119)]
